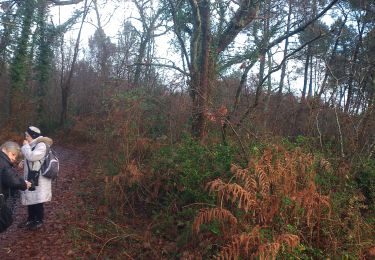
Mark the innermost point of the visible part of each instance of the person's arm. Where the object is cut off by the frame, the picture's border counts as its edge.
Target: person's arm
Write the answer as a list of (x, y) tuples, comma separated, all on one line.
[(34, 155), (10, 179)]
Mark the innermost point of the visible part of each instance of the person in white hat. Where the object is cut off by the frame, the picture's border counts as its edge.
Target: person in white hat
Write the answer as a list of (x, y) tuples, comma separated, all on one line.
[(34, 150)]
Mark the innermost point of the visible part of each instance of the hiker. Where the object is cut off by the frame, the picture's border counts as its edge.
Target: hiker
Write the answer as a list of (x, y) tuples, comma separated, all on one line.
[(34, 151), (10, 180)]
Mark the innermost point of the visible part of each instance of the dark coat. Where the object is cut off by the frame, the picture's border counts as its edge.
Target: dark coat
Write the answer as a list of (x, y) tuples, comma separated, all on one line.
[(9, 178)]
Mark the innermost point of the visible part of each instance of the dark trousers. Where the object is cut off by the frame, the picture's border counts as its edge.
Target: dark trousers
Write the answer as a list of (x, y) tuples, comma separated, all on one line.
[(36, 212)]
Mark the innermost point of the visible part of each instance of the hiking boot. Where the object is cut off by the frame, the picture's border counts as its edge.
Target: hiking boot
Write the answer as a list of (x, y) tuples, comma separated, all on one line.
[(36, 225), (25, 224)]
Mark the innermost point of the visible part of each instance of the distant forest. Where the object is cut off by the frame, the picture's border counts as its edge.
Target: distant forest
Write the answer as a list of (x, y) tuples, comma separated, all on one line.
[(228, 112)]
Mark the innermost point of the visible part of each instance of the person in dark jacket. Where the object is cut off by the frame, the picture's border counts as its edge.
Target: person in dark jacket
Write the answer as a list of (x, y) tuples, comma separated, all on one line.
[(9, 178)]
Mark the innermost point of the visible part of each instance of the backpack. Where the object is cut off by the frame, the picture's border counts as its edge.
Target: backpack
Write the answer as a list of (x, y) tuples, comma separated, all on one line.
[(51, 165)]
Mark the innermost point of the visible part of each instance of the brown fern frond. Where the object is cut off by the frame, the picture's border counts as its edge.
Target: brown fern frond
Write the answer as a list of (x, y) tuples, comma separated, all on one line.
[(241, 245), (249, 182), (264, 184), (135, 175), (325, 165), (268, 251), (234, 168), (312, 202), (251, 163), (231, 251), (270, 207), (323, 200), (210, 214), (191, 255), (267, 157), (216, 185), (291, 240), (234, 193)]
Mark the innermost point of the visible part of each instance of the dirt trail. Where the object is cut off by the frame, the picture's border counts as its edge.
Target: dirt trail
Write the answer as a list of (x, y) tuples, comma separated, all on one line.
[(52, 240)]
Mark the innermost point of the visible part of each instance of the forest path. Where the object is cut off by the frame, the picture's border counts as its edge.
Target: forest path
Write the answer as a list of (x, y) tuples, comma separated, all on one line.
[(52, 240)]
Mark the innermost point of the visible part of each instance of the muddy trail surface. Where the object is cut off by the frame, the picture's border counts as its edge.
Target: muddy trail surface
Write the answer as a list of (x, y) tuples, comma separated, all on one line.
[(52, 240)]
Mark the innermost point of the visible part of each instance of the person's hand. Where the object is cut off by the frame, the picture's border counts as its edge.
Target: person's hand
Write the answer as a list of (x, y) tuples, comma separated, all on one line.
[(28, 184), (20, 164), (25, 142)]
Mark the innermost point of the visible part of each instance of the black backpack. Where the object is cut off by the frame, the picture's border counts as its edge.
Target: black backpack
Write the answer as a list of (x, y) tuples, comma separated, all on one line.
[(51, 165)]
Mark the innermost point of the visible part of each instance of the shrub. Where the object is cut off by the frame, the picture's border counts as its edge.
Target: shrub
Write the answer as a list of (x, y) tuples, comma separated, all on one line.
[(259, 203), (365, 178)]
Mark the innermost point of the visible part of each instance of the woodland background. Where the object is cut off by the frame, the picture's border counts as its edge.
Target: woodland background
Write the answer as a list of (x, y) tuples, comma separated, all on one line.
[(221, 152)]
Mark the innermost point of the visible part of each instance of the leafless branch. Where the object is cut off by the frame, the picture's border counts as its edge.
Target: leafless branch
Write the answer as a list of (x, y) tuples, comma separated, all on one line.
[(340, 133), (68, 2), (302, 27), (170, 66)]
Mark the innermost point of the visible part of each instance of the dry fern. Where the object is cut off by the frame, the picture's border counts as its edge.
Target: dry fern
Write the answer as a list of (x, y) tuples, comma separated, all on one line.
[(268, 251), (249, 183), (263, 180), (241, 245), (260, 188), (134, 174), (312, 202), (289, 239), (325, 165), (208, 215), (234, 193)]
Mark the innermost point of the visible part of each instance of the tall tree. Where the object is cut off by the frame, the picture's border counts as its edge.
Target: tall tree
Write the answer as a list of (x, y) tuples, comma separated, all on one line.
[(44, 56), (193, 20), (66, 82), (210, 29), (150, 20), (21, 61), (8, 27), (286, 46), (126, 51)]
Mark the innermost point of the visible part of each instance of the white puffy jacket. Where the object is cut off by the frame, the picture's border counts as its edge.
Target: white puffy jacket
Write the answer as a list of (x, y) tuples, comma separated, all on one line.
[(35, 158)]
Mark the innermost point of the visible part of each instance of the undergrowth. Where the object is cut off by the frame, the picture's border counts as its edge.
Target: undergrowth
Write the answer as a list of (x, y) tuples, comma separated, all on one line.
[(207, 202), (186, 200)]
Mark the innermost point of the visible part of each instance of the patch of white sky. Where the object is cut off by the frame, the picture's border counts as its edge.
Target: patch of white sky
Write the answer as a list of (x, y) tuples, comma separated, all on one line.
[(293, 80), (112, 17), (114, 14)]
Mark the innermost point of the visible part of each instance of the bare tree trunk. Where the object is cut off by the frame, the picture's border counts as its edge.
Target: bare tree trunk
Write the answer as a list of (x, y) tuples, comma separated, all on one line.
[(263, 53), (305, 76), (330, 60), (352, 70), (147, 35), (202, 72), (204, 51), (259, 89), (311, 78), (66, 86), (286, 46), (269, 90), (269, 82), (102, 49)]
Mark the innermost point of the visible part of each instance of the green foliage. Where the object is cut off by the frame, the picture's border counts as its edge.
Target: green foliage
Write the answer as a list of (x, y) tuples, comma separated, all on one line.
[(304, 252), (19, 65), (48, 124), (184, 171), (365, 178), (312, 32), (189, 167)]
